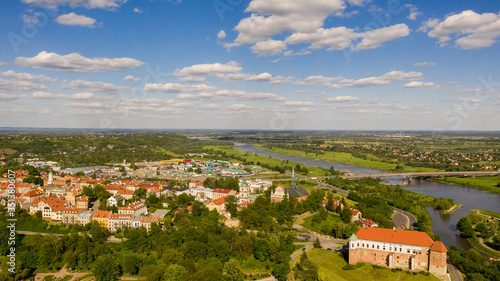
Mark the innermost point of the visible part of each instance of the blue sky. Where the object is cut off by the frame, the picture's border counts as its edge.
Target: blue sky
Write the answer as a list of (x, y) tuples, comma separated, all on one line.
[(253, 64)]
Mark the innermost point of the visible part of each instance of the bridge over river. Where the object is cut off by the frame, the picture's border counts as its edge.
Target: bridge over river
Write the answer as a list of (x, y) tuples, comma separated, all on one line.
[(427, 174)]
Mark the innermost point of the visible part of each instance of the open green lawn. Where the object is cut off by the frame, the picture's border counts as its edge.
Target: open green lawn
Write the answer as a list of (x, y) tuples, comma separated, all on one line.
[(313, 171), (317, 227), (486, 183), (347, 158), (331, 264)]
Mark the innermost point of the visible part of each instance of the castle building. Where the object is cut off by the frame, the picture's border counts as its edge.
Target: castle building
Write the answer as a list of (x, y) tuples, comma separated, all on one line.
[(409, 250)]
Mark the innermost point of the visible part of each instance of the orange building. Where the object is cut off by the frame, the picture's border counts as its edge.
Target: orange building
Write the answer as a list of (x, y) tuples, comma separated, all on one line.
[(412, 250)]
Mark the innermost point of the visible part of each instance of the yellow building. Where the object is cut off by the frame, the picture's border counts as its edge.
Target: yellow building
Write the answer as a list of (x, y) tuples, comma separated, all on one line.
[(102, 217)]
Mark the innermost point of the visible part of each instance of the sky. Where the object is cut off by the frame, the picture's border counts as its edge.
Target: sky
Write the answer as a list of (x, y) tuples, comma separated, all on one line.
[(268, 65)]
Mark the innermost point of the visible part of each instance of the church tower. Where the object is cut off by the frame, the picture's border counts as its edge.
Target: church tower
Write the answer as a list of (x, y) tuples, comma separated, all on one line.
[(244, 192)]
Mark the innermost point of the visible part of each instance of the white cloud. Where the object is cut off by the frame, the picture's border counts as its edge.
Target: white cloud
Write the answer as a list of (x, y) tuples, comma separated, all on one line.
[(419, 84), (76, 63), (304, 22), (273, 17), (82, 96), (74, 19), (98, 86), (474, 31), (299, 103), (342, 99), (469, 100), (319, 79), (89, 4), (44, 95), (301, 53), (200, 72), (16, 85), (374, 38), (381, 80), (269, 47), (2, 63), (138, 10), (424, 63), (131, 78), (94, 105), (336, 38), (177, 88), (27, 76), (221, 34), (413, 12), (4, 96), (241, 106), (263, 77)]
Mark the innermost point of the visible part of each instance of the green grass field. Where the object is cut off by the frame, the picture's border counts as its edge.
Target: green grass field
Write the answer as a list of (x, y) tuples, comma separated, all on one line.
[(317, 227), (331, 264), (489, 213), (486, 183), (347, 158)]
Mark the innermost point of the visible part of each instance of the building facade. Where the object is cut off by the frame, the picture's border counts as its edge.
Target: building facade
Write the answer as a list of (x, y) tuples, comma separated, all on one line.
[(409, 250)]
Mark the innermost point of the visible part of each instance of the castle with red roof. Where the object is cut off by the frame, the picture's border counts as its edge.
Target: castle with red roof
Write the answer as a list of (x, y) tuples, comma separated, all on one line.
[(410, 250)]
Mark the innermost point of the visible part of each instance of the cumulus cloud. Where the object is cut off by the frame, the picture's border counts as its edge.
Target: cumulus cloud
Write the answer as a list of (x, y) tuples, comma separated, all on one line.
[(342, 99), (304, 22), (77, 20), (138, 10), (177, 88), (200, 72), (131, 78), (374, 38), (82, 96), (89, 4), (76, 63), (424, 63), (4, 96), (414, 13), (319, 79), (241, 106), (221, 34), (269, 47), (335, 38), (16, 85), (44, 95), (260, 77), (473, 30), (27, 76), (381, 80), (299, 103), (98, 86)]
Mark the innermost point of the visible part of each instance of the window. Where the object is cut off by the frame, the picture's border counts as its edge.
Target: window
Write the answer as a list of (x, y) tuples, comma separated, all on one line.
[(390, 248), (352, 245), (408, 251), (358, 244), (373, 246), (378, 247), (363, 245), (383, 248), (400, 249)]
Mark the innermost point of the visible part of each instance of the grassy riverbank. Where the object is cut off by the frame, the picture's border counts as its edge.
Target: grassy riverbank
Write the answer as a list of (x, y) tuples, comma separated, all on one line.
[(347, 158), (486, 183)]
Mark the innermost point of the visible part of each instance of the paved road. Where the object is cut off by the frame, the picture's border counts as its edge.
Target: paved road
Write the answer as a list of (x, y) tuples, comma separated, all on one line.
[(412, 219), (455, 274)]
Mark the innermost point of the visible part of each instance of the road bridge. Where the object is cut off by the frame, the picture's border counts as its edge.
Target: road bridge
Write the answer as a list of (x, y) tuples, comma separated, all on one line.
[(426, 174)]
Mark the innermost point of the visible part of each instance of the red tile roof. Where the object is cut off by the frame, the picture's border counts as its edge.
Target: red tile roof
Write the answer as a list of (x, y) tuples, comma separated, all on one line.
[(439, 247), (219, 201), (407, 237), (220, 190), (101, 214)]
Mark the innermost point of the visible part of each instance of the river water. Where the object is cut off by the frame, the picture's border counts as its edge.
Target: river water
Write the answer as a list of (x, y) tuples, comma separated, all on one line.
[(444, 225)]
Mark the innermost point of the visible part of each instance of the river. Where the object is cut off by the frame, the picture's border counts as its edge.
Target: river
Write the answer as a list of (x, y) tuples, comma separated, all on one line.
[(444, 225)]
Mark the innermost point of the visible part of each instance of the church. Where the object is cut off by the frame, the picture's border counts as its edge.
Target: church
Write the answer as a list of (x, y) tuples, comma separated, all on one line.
[(294, 191)]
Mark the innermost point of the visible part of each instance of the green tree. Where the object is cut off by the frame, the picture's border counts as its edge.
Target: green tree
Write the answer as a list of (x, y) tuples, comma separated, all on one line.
[(346, 215), (106, 268), (317, 244), (233, 271), (131, 264), (281, 270), (232, 205), (175, 272)]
